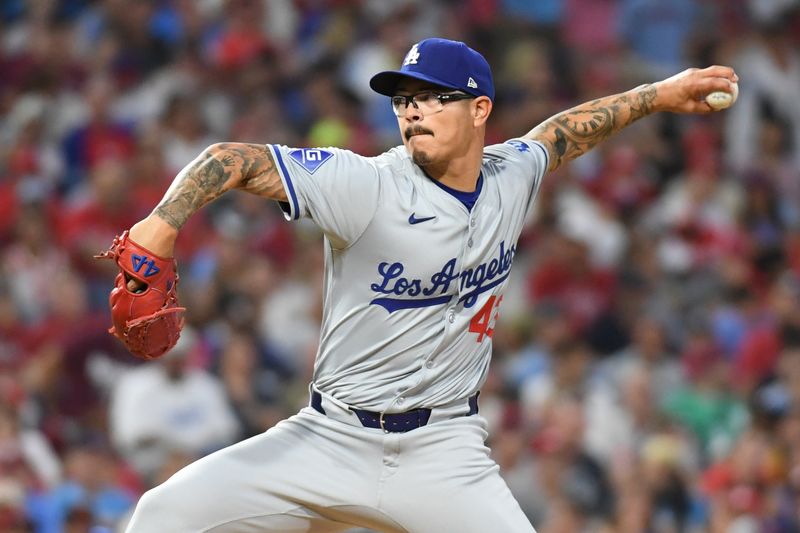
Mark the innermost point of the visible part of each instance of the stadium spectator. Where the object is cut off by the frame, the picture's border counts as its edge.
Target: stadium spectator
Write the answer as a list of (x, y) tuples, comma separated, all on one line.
[(169, 407)]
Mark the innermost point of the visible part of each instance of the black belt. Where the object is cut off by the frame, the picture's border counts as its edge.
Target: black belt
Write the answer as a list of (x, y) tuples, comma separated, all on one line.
[(393, 422)]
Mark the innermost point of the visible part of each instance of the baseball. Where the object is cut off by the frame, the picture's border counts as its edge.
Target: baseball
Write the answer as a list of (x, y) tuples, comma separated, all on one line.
[(721, 99)]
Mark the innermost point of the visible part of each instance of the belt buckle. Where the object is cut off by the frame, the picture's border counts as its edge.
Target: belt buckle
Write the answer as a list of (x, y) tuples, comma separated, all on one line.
[(382, 422)]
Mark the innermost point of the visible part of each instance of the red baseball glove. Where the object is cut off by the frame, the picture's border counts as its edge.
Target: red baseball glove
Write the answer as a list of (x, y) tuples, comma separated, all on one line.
[(147, 321)]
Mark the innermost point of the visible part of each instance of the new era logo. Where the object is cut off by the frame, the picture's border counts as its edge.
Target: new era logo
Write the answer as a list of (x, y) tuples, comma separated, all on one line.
[(472, 83), (310, 158)]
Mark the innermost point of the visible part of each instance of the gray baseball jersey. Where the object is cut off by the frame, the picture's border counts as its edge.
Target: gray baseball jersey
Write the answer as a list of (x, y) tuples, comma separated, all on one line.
[(413, 279), (413, 282)]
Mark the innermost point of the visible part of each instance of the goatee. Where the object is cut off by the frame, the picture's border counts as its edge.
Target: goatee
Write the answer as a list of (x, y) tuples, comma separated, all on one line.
[(420, 158)]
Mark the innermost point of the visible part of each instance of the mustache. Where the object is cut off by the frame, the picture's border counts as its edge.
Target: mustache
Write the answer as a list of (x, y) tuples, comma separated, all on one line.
[(416, 130)]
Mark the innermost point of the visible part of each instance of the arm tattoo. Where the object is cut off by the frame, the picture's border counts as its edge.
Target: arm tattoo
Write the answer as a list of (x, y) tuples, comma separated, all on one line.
[(219, 168), (575, 131)]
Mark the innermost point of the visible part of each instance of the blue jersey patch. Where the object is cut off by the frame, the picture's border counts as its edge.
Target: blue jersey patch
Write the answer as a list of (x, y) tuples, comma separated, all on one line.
[(519, 145), (310, 158)]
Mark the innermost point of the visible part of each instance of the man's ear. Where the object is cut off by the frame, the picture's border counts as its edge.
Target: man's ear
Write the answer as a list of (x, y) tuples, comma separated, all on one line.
[(481, 108)]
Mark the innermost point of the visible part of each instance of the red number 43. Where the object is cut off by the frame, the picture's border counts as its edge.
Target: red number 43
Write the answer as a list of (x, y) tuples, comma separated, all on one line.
[(483, 321)]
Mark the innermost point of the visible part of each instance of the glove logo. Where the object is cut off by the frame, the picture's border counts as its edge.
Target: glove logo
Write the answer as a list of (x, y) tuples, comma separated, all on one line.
[(138, 261)]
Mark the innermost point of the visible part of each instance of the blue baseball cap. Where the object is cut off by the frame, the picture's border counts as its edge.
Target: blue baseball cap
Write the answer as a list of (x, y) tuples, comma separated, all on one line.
[(450, 64)]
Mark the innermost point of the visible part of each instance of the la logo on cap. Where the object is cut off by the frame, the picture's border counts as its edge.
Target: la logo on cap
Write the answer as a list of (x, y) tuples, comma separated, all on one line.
[(411, 56)]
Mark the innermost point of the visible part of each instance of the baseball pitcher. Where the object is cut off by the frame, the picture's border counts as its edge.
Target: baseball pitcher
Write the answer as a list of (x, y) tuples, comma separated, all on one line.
[(419, 242)]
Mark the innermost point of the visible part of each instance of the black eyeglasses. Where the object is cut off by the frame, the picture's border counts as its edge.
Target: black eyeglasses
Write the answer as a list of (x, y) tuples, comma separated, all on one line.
[(428, 102)]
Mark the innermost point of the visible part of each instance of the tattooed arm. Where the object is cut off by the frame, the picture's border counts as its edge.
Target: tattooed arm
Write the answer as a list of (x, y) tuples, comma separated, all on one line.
[(575, 131), (220, 168)]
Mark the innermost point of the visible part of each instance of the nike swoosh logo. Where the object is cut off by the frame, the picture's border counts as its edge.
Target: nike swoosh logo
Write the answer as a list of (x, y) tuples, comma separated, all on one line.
[(413, 220)]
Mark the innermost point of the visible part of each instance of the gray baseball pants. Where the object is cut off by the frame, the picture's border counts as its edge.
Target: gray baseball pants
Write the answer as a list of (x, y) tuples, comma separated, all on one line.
[(326, 472)]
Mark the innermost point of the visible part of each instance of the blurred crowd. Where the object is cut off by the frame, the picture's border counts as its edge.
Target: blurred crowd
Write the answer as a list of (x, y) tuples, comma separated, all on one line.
[(646, 369)]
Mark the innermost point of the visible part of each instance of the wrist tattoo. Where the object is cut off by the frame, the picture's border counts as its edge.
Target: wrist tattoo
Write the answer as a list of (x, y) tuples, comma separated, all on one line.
[(196, 185)]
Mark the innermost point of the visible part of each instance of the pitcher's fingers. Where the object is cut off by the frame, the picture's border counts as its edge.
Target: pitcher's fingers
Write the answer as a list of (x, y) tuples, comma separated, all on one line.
[(699, 107), (709, 85), (135, 285), (721, 71)]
